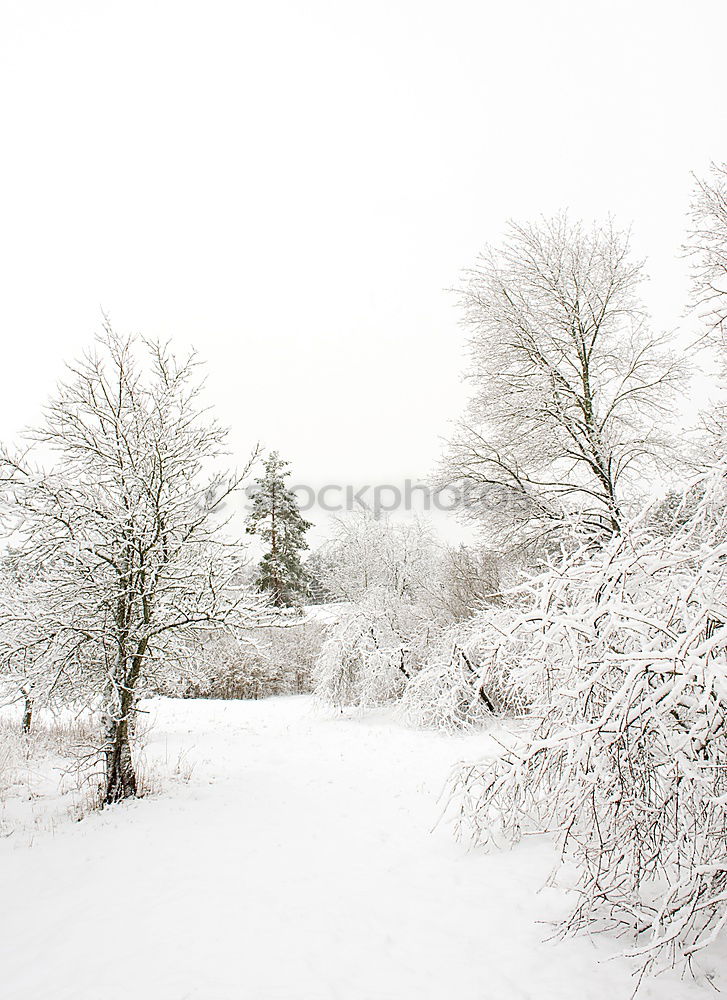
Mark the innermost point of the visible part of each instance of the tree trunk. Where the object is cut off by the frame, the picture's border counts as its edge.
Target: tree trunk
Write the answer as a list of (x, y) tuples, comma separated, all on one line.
[(121, 780), (120, 773), (27, 712)]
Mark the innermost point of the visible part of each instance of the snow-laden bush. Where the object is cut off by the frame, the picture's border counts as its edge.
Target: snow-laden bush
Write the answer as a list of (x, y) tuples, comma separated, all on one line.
[(232, 669), (627, 756), (377, 645), (277, 660), (471, 674)]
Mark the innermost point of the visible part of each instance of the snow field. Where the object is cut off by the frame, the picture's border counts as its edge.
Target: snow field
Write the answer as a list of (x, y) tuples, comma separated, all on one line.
[(291, 855)]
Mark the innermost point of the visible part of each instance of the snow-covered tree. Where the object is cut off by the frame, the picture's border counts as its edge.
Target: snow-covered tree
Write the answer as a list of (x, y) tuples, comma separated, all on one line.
[(378, 643), (623, 657), (707, 247), (471, 674), (403, 589), (373, 553), (276, 519), (571, 388), (472, 577), (119, 533), (24, 672)]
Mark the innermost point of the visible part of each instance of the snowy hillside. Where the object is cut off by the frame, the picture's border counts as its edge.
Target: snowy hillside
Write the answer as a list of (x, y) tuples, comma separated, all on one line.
[(291, 855)]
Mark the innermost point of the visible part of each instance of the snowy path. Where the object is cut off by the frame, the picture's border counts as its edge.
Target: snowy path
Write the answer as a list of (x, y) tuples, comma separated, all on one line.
[(298, 863)]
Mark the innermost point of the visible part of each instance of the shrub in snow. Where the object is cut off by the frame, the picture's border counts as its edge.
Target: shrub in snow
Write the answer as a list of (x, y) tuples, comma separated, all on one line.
[(292, 652), (470, 675), (277, 660), (627, 756), (377, 644), (235, 669)]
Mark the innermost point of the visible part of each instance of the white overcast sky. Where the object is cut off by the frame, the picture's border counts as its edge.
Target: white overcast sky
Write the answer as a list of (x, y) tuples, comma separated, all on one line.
[(291, 187)]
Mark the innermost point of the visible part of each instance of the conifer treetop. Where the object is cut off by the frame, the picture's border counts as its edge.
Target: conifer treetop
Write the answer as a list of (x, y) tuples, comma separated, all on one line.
[(276, 519)]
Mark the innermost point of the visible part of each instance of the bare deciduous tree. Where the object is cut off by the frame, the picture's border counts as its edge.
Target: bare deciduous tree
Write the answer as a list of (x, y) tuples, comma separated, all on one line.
[(472, 578), (707, 246), (122, 533), (368, 552), (570, 385)]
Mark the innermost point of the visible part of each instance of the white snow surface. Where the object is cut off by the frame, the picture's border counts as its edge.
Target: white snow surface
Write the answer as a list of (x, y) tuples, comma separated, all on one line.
[(301, 860)]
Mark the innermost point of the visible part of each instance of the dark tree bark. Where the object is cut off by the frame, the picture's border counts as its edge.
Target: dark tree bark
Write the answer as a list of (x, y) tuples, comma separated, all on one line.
[(27, 712), (121, 781), (120, 775)]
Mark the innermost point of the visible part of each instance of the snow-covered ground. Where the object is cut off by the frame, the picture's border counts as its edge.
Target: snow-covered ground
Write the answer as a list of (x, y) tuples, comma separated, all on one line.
[(291, 855)]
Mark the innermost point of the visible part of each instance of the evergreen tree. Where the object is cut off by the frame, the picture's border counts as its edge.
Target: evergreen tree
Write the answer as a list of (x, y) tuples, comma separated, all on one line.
[(275, 517)]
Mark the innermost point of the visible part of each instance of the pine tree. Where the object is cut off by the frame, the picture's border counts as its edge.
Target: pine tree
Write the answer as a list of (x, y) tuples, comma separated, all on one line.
[(276, 519)]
